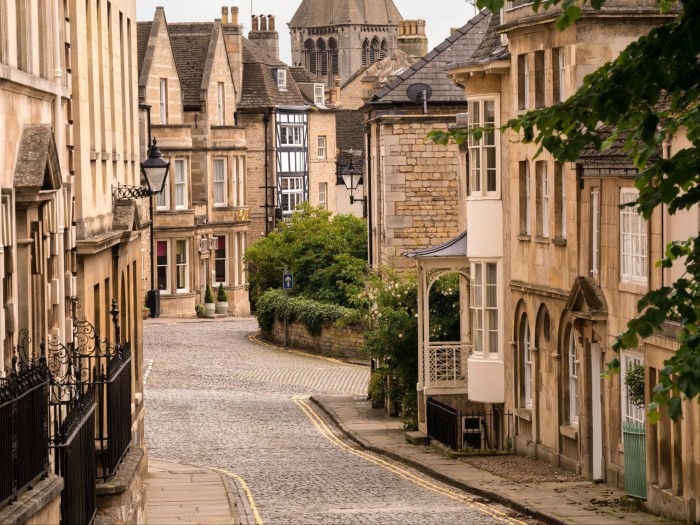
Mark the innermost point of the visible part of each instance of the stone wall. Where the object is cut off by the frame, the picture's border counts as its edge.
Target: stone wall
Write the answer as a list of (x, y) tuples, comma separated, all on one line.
[(333, 341)]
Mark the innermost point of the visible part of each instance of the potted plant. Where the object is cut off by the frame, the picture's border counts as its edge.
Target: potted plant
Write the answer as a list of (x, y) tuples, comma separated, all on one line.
[(209, 306), (146, 312), (221, 300)]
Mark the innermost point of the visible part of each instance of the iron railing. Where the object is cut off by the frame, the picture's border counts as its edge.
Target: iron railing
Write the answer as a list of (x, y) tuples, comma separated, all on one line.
[(24, 451), (442, 423), (75, 461), (117, 391), (487, 431)]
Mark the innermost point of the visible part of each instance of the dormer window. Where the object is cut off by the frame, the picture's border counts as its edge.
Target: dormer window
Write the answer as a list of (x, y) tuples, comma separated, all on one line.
[(281, 79), (319, 98)]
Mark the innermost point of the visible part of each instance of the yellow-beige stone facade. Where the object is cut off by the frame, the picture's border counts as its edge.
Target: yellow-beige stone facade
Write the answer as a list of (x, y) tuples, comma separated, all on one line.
[(69, 135), (190, 78)]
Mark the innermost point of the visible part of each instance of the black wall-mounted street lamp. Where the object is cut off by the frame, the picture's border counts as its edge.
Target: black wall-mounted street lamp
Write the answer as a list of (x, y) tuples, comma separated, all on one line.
[(352, 178), (155, 170)]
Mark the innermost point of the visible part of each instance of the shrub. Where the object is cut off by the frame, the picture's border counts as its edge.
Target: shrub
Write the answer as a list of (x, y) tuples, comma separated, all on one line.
[(208, 296), (199, 310), (221, 294), (634, 380)]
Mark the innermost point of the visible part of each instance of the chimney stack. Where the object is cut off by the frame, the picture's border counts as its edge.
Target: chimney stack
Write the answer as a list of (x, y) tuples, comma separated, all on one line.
[(232, 39), (224, 15), (412, 39), (264, 34)]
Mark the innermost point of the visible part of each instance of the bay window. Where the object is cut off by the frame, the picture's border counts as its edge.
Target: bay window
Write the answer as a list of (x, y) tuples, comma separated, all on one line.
[(483, 154)]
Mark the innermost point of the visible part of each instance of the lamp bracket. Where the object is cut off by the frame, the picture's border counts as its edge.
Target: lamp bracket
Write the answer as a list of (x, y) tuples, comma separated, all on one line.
[(130, 192)]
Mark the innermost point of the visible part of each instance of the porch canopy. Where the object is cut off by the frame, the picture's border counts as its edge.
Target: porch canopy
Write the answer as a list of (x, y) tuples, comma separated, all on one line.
[(442, 366)]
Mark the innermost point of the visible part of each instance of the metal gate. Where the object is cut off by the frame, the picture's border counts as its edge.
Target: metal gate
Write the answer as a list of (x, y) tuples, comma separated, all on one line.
[(635, 459)]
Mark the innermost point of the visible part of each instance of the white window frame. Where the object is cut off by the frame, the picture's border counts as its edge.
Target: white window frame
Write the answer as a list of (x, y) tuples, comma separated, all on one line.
[(291, 135), (483, 306), (163, 101), (162, 199), (484, 154), (572, 355), (595, 231), (630, 412), (164, 290), (221, 103), (543, 177), (634, 253), (282, 79), (184, 265), (523, 71), (562, 71), (180, 182), (225, 259), (527, 365), (293, 192), (241, 251), (563, 201), (528, 199), (241, 181), (322, 147), (219, 182), (323, 195), (319, 95)]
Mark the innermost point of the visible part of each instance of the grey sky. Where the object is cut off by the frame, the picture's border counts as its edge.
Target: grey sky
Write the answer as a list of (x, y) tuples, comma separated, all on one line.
[(440, 15)]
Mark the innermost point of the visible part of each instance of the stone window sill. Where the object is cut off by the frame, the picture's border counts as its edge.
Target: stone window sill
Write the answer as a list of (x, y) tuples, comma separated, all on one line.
[(569, 431), (524, 413), (542, 240), (524, 237), (559, 241)]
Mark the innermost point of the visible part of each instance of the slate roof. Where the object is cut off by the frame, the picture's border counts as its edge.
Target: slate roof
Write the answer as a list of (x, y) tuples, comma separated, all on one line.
[(302, 75), (143, 32), (350, 135), (259, 84), (190, 43), (491, 48), (456, 247), (323, 13), (431, 69), (615, 155)]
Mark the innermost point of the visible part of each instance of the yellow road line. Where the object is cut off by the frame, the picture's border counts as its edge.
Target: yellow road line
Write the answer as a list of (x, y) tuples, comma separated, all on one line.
[(254, 339), (301, 402), (248, 493)]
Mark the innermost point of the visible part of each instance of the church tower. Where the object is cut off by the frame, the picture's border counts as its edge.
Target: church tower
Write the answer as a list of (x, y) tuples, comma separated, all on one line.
[(333, 39)]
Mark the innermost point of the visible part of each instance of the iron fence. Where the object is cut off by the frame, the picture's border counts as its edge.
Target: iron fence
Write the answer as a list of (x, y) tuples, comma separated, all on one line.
[(117, 391), (634, 439), (487, 431), (24, 451), (442, 423)]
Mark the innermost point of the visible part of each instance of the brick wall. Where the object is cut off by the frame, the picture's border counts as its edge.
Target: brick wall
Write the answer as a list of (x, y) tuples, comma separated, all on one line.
[(333, 341)]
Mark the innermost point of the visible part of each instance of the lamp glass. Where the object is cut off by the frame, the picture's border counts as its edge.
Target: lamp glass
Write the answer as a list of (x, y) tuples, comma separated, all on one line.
[(155, 169)]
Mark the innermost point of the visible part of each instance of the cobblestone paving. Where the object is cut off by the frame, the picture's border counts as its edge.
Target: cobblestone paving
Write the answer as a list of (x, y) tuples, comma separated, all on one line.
[(216, 399)]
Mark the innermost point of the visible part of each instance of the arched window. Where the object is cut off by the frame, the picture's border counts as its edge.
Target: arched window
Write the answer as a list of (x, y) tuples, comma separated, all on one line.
[(365, 53), (374, 51), (333, 51), (310, 54), (525, 363), (322, 57), (383, 50)]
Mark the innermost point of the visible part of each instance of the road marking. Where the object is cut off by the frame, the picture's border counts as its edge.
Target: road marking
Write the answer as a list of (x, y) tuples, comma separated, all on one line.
[(326, 432), (248, 493), (254, 339)]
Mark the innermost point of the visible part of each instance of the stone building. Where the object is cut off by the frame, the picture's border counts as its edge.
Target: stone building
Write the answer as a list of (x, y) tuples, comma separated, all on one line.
[(414, 188), (189, 75), (333, 40), (71, 260)]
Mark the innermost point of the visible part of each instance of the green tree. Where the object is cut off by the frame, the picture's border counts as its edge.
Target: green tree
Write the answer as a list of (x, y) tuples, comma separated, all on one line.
[(649, 93), (326, 253)]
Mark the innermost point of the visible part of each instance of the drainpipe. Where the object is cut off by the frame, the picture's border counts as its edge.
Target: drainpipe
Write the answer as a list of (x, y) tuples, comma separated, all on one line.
[(368, 193), (266, 121)]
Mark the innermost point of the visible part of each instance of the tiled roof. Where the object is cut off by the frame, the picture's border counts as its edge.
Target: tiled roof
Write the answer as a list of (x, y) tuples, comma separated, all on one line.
[(350, 135), (302, 75), (190, 43), (321, 13), (431, 69), (614, 155), (259, 84), (143, 31), (491, 48)]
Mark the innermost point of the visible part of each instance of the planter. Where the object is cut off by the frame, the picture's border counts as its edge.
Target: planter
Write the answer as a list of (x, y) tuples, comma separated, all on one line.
[(146, 313), (221, 307), (209, 309)]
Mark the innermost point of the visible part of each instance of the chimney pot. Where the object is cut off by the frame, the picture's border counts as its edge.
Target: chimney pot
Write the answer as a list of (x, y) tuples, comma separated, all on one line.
[(270, 23), (234, 15), (263, 23), (224, 15), (414, 27), (421, 27), (402, 28), (254, 25)]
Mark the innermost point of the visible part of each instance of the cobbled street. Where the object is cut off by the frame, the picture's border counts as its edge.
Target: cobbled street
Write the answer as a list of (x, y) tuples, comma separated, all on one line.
[(218, 400)]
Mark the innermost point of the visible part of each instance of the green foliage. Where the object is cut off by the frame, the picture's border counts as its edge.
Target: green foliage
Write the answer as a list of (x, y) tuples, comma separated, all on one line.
[(634, 381), (199, 310), (208, 296), (392, 329), (326, 253), (649, 93), (377, 387), (273, 304), (221, 294)]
